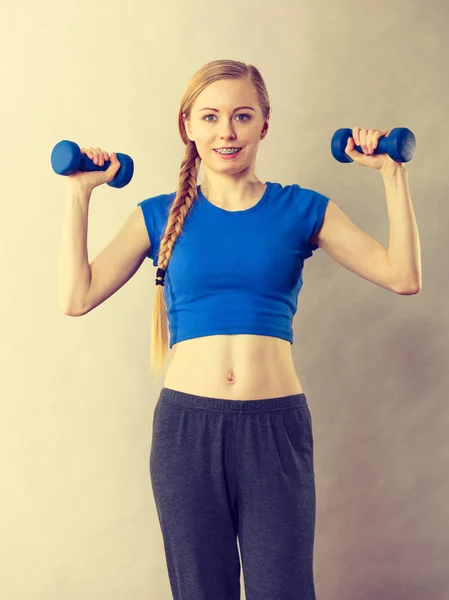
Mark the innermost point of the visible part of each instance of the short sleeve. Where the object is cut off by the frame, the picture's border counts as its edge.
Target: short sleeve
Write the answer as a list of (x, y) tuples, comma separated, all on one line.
[(155, 213), (313, 207), (148, 215)]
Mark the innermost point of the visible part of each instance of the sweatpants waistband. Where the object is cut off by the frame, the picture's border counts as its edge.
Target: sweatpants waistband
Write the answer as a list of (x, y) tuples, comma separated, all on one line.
[(219, 404)]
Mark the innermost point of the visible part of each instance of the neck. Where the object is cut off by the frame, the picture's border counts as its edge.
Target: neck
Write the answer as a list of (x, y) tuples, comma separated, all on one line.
[(231, 193)]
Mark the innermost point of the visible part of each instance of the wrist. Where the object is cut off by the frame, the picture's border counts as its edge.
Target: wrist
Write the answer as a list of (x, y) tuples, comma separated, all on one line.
[(392, 170), (79, 192)]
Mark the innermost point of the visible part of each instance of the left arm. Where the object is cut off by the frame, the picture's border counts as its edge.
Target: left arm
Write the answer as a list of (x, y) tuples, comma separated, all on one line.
[(397, 269)]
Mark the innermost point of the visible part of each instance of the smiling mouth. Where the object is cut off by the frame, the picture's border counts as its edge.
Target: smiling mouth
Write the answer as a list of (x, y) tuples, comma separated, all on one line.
[(228, 153)]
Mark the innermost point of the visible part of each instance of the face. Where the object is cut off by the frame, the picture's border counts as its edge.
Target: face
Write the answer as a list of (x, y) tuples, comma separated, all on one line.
[(226, 126)]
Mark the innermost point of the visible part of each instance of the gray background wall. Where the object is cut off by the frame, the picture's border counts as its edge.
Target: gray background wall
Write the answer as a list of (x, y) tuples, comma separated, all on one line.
[(77, 400)]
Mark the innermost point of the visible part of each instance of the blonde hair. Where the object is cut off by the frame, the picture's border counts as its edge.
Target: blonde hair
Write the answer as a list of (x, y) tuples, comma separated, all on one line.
[(187, 186)]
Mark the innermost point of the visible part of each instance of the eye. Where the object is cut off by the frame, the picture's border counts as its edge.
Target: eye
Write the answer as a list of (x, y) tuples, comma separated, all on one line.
[(239, 115)]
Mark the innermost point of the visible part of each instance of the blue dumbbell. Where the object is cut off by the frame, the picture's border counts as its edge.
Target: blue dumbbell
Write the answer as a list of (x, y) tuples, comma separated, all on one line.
[(67, 158), (399, 145)]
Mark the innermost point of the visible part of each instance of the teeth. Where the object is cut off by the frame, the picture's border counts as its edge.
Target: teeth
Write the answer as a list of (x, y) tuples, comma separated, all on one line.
[(228, 151)]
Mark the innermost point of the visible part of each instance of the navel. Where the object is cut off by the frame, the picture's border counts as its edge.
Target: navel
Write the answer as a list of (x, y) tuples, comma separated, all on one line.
[(231, 377)]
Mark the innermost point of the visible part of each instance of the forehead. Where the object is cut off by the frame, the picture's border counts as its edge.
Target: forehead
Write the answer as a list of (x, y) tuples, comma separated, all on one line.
[(227, 94)]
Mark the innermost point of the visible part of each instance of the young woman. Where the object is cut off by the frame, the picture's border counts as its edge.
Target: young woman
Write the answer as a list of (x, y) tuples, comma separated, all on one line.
[(232, 448)]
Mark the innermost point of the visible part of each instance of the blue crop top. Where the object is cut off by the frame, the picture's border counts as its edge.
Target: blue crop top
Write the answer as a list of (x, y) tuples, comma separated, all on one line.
[(236, 272)]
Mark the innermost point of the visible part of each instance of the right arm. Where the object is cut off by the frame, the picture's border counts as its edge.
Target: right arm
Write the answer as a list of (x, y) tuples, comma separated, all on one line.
[(83, 286)]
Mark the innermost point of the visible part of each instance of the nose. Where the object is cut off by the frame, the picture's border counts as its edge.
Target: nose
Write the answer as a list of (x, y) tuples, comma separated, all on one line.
[(228, 131), (225, 139)]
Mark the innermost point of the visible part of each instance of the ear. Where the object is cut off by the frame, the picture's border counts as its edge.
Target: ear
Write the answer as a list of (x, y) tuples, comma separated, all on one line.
[(186, 125), (265, 127)]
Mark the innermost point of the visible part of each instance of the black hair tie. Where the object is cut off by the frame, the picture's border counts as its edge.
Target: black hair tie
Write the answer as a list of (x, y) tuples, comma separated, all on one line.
[(160, 276)]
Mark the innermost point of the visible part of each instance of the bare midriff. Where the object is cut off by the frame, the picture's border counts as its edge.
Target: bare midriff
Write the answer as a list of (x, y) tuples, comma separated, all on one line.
[(233, 367)]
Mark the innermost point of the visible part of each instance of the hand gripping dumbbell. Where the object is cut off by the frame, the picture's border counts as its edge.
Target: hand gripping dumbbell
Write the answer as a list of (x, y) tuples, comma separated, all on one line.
[(67, 158), (399, 145)]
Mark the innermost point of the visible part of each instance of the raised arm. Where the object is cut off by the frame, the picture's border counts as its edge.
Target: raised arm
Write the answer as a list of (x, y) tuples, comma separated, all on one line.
[(83, 286)]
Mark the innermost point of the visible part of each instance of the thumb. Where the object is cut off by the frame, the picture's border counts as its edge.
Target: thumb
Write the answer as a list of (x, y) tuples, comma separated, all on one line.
[(350, 146), (115, 165)]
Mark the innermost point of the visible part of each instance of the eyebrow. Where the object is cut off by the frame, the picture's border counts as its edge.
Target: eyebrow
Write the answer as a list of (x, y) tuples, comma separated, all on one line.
[(216, 109)]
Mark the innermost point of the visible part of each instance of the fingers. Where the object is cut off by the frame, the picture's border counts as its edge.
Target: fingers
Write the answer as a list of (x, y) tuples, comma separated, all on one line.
[(368, 139), (100, 156), (97, 155), (376, 137), (363, 140)]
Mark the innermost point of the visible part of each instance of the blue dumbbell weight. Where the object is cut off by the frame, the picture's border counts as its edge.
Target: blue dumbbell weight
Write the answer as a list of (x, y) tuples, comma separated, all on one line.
[(400, 145), (67, 158)]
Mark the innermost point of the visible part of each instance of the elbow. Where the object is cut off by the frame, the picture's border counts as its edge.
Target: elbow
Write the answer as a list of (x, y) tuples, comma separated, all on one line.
[(408, 286), (71, 312), (70, 307), (410, 290)]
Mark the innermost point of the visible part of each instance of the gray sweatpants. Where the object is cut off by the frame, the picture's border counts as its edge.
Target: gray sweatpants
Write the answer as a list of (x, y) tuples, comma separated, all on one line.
[(222, 469)]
